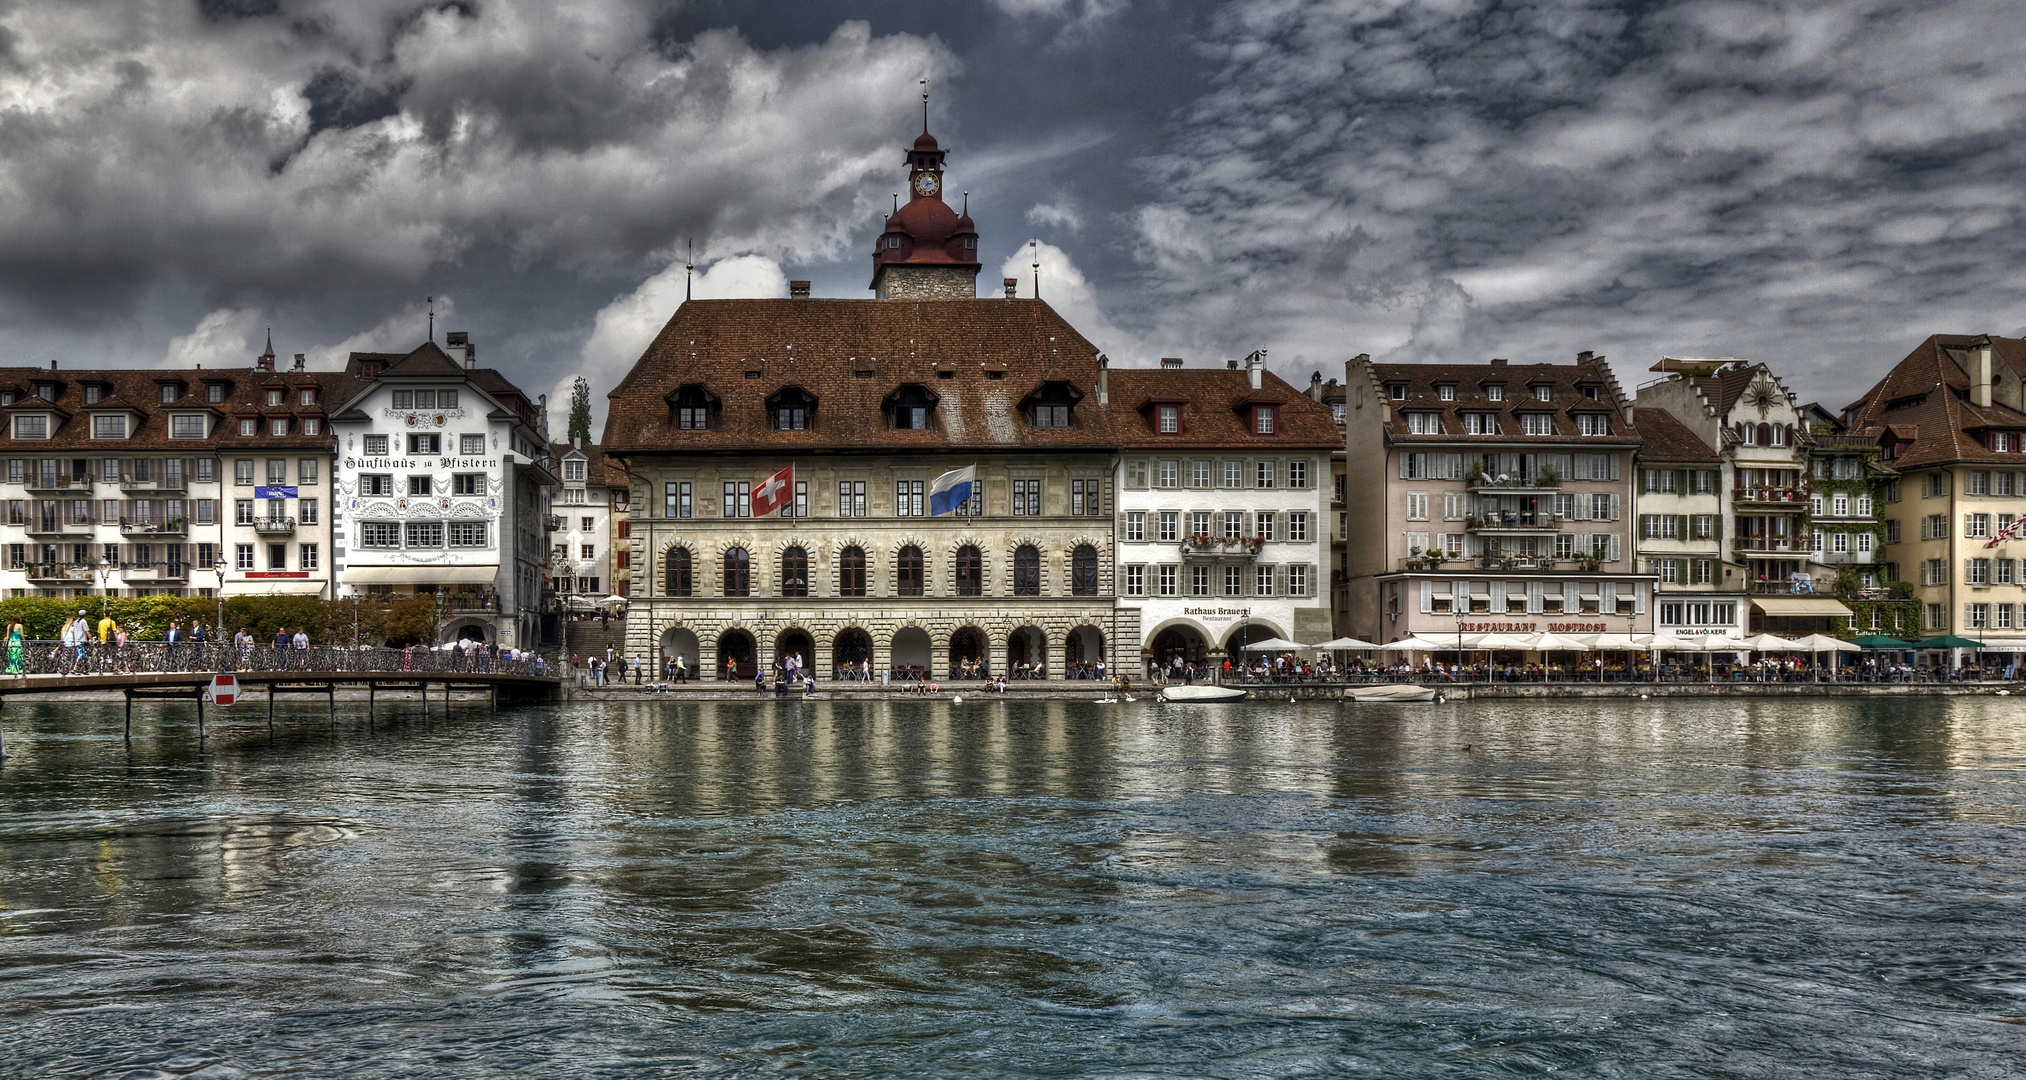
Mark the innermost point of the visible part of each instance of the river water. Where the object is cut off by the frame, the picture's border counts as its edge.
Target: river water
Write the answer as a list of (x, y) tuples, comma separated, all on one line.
[(1031, 889)]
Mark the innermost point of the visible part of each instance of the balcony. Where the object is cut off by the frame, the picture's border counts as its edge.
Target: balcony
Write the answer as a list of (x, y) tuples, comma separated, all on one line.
[(1516, 485), (171, 527), (47, 527), (155, 571), (62, 485), (164, 484), (1770, 496), (1216, 548), (274, 526), (60, 573), (1783, 545), (1521, 524)]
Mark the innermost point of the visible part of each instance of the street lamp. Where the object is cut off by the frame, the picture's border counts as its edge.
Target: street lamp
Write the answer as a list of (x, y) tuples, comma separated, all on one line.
[(218, 628)]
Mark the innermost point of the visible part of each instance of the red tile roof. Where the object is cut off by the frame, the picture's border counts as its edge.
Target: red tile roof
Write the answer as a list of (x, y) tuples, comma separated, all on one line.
[(137, 391), (1566, 383), (1212, 410), (1664, 438), (979, 358), (1924, 400)]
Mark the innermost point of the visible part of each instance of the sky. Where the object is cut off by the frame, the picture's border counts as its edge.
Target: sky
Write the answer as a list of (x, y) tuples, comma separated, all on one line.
[(1819, 185)]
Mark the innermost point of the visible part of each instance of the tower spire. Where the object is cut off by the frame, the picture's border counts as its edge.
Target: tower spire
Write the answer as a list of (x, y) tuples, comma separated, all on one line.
[(688, 267), (925, 106), (432, 318), (1034, 246)]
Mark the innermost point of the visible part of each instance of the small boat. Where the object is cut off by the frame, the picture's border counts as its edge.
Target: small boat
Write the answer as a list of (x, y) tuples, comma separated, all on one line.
[(1390, 692), (1201, 693)]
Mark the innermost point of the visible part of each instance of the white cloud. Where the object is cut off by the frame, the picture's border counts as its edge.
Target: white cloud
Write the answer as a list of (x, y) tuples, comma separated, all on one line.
[(1066, 290), (1055, 215), (402, 330), (625, 327), (227, 337)]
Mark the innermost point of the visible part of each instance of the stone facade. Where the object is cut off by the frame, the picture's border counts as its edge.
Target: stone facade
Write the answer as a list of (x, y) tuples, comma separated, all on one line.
[(1052, 627), (927, 283)]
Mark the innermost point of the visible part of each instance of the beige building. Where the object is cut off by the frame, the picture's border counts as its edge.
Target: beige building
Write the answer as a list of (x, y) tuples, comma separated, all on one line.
[(1490, 498)]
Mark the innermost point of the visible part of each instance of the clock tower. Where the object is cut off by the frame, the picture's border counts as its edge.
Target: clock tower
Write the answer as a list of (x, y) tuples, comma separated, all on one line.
[(927, 251)]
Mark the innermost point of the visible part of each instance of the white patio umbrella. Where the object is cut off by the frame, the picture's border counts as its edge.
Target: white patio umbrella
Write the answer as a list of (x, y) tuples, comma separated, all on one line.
[(1618, 641), (1825, 643), (1343, 643), (1490, 642), (1417, 644), (1274, 644), (1773, 643), (1548, 641)]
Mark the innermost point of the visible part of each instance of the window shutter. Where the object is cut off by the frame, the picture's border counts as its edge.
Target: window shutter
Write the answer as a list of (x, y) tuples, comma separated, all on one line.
[(1614, 505), (1967, 518), (1427, 596), (1498, 598), (1572, 598), (1581, 510), (1535, 592), (1613, 460), (1611, 546), (1639, 597), (1681, 482), (1607, 603), (1681, 526)]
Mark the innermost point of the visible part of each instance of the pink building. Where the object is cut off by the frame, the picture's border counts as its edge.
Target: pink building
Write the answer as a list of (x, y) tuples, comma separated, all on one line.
[(1490, 498)]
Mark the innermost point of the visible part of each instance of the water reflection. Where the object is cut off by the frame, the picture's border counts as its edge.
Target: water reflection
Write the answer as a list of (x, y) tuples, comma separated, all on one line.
[(845, 888)]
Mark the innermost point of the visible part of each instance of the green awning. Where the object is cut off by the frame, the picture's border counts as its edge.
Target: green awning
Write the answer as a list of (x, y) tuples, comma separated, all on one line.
[(1880, 641), (1948, 641)]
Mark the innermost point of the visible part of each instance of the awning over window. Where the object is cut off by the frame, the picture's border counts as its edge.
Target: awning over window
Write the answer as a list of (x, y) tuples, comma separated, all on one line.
[(421, 575), (1819, 606)]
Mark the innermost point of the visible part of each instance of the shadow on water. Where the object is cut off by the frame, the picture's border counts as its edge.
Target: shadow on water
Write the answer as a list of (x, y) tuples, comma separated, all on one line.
[(1681, 888)]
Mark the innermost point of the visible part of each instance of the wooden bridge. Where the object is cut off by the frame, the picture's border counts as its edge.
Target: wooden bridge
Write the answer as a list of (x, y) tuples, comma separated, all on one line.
[(517, 683)]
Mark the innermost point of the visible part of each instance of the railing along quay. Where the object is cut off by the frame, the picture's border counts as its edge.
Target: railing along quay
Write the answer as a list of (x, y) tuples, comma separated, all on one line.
[(43, 657)]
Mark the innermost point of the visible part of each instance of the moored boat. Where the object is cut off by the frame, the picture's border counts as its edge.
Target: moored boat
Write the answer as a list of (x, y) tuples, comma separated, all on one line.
[(1201, 693), (1390, 692)]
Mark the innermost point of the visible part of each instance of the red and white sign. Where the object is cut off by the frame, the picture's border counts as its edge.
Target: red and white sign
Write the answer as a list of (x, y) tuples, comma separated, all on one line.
[(774, 492), (224, 689)]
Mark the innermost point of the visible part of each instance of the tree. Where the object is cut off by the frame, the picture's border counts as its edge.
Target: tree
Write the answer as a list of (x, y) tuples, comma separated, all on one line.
[(580, 411)]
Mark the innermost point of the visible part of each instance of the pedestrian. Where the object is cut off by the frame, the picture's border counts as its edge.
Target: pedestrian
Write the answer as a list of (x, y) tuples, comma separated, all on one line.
[(197, 644), (280, 647), (172, 640)]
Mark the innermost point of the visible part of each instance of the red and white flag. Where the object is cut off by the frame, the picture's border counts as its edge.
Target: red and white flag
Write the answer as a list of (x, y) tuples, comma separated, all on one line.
[(774, 492)]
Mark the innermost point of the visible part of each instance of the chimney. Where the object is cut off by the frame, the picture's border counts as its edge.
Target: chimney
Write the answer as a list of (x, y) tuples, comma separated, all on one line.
[(301, 361), (1498, 361), (798, 290), (1315, 386), (1231, 365), (461, 339), (1255, 368), (1981, 373), (1586, 356), (1103, 379), (1012, 287), (1171, 363)]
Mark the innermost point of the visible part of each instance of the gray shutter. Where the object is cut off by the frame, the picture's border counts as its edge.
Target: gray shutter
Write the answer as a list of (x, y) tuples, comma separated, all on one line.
[(1535, 591), (1427, 596), (1611, 547)]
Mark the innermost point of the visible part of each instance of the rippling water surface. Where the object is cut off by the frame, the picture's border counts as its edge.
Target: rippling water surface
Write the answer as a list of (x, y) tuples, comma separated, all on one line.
[(1641, 889)]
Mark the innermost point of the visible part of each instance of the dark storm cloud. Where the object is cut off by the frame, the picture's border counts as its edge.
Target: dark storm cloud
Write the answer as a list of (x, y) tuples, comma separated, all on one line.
[(1817, 184)]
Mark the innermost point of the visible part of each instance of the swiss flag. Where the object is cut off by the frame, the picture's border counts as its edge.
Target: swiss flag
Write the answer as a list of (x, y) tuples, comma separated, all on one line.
[(774, 492)]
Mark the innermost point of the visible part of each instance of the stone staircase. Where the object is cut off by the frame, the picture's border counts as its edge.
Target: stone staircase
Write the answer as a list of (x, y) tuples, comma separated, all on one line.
[(587, 638)]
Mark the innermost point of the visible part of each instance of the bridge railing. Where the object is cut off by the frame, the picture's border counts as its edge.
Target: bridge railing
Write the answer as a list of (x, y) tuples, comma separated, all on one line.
[(157, 657)]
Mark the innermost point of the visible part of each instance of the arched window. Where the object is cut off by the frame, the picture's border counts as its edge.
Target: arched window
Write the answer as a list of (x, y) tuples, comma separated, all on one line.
[(1765, 434), (912, 407), (738, 572), (970, 571), (1026, 571), (678, 572), (1083, 571), (794, 572), (908, 572), (851, 572)]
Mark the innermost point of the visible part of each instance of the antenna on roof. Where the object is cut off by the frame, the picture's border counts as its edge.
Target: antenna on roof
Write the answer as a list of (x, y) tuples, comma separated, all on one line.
[(687, 267), (1035, 247), (432, 318)]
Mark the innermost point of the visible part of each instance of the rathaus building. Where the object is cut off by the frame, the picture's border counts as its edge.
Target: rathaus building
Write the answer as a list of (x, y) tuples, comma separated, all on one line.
[(870, 400)]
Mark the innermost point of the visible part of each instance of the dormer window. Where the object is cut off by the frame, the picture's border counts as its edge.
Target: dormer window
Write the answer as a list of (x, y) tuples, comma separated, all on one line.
[(1424, 423), (910, 408), (31, 427), (1263, 419), (1544, 392), (92, 394), (277, 426), (791, 409), (1445, 391), (109, 426), (249, 428), (1396, 391), (306, 396), (274, 399), (1052, 405), (1589, 391), (573, 470), (186, 426), (1481, 423), (1537, 423), (166, 393), (1494, 392), (1168, 419), (1593, 424), (8, 397), (214, 393), (45, 391), (693, 408)]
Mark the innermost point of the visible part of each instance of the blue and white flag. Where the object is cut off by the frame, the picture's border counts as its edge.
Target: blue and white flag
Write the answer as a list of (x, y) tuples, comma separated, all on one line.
[(952, 490)]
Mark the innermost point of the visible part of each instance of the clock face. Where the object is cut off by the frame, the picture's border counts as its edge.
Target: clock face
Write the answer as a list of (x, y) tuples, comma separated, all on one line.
[(926, 183)]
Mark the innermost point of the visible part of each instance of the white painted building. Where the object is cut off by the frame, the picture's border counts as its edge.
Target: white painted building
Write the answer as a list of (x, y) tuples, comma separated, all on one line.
[(1223, 510), (443, 484), (582, 559)]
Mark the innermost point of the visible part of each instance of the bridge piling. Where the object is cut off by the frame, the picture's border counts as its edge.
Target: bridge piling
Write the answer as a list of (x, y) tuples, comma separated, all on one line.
[(3, 733)]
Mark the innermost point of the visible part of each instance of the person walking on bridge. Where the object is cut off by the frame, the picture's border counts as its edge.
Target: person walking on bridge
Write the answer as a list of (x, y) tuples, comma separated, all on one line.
[(280, 647)]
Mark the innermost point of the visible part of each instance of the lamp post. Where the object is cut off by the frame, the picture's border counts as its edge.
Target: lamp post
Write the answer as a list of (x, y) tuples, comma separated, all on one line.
[(218, 627)]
